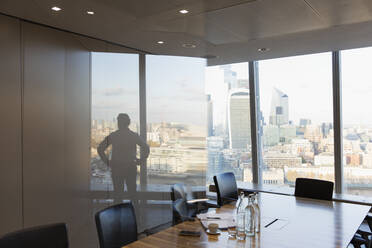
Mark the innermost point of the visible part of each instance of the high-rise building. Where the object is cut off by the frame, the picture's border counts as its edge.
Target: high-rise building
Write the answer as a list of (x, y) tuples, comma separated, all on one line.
[(326, 127), (305, 122), (215, 146), (230, 76), (210, 115), (239, 119), (279, 108)]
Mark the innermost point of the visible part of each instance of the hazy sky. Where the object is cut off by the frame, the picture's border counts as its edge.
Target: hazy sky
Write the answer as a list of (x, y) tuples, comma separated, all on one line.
[(176, 86), (114, 85)]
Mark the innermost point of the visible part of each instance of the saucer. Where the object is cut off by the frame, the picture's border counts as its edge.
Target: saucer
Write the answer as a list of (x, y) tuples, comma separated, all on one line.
[(218, 232)]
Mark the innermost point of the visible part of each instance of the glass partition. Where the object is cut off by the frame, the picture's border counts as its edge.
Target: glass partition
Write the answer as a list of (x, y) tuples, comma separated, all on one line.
[(115, 81), (176, 130)]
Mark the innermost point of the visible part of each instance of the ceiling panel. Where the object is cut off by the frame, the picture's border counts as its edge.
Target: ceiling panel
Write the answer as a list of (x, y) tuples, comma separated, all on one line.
[(216, 27), (338, 12), (267, 18)]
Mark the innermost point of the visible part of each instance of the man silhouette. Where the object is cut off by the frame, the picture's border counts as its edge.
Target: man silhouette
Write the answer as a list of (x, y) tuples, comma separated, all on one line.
[(124, 159)]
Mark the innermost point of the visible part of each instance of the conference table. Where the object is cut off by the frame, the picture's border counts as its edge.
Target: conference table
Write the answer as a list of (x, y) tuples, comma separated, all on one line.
[(300, 222)]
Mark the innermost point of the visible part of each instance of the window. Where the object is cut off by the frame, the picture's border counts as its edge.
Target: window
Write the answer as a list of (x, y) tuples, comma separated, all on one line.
[(228, 121), (176, 128), (115, 81), (296, 118), (357, 120)]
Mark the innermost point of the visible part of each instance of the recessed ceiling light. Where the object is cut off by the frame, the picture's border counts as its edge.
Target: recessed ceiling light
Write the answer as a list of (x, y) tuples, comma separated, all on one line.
[(89, 12), (184, 11), (160, 42), (188, 45), (263, 49), (55, 8)]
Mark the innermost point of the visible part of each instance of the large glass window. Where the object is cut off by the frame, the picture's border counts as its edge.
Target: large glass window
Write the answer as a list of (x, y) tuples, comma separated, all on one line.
[(357, 120), (228, 112), (296, 118), (115, 81), (176, 128)]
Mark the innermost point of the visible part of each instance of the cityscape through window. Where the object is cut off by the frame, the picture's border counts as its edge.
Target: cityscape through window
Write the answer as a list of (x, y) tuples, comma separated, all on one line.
[(115, 90), (198, 118), (357, 120), (228, 121), (296, 118), (176, 121)]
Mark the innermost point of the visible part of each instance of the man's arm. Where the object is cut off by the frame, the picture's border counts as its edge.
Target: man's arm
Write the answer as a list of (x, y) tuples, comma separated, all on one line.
[(102, 148), (145, 149)]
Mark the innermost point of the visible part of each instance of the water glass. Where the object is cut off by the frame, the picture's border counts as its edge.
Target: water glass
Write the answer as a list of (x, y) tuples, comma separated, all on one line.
[(231, 231)]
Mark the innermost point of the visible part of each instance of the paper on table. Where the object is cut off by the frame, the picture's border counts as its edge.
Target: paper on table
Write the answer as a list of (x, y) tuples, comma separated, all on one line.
[(224, 221)]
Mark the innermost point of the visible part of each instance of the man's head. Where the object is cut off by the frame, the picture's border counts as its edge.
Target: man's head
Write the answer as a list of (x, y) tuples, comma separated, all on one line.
[(123, 121)]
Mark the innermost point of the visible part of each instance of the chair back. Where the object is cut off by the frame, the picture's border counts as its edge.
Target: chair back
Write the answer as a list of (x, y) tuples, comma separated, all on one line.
[(314, 188), (116, 226), (226, 188), (47, 236), (178, 192), (180, 211)]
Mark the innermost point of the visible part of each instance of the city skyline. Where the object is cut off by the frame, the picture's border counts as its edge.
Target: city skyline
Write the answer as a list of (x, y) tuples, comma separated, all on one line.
[(197, 128), (122, 85)]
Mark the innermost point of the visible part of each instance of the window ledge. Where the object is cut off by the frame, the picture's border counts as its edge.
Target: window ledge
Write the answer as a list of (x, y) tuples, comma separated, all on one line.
[(287, 190)]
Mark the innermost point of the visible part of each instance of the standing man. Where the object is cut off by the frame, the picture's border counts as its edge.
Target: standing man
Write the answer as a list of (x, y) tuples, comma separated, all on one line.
[(124, 159)]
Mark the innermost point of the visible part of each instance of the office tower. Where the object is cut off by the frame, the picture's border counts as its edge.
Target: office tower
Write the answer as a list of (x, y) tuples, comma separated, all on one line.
[(209, 115), (230, 77), (305, 122), (215, 146), (326, 127), (279, 108), (239, 119)]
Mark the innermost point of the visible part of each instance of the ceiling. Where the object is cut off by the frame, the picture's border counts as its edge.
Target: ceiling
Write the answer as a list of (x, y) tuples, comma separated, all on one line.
[(225, 31)]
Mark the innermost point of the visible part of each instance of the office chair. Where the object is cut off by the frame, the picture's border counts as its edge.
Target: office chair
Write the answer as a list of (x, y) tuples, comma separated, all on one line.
[(178, 192), (363, 238), (47, 236), (314, 188), (181, 212), (116, 226), (226, 188)]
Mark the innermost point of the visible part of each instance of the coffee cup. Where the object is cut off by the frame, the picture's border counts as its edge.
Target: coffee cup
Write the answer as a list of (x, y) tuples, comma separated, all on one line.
[(213, 227)]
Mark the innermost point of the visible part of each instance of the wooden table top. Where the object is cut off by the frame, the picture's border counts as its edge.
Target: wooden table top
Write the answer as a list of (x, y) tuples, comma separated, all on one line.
[(303, 223)]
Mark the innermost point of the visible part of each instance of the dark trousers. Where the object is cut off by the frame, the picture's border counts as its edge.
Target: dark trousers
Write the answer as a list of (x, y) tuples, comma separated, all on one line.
[(124, 173)]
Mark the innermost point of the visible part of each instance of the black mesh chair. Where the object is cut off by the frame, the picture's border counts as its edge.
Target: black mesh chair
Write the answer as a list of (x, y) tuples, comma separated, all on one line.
[(48, 236), (178, 192), (314, 188), (181, 211), (116, 226), (363, 237), (226, 188)]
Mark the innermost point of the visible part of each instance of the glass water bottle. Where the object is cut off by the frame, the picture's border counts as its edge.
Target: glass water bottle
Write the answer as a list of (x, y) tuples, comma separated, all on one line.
[(240, 218), (250, 218), (257, 213)]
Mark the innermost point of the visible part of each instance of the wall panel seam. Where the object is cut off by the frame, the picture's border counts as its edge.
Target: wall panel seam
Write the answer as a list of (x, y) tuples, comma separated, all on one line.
[(21, 43)]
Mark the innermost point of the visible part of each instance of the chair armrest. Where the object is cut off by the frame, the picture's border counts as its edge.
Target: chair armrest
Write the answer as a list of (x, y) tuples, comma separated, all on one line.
[(197, 200)]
